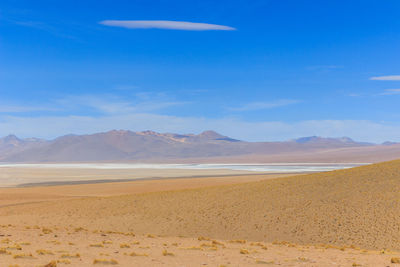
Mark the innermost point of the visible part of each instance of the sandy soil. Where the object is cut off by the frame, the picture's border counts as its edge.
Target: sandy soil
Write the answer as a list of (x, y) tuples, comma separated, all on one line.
[(354, 213), (41, 246)]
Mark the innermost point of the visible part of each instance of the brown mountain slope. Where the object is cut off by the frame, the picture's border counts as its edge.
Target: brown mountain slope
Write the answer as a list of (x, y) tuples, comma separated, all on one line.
[(358, 206)]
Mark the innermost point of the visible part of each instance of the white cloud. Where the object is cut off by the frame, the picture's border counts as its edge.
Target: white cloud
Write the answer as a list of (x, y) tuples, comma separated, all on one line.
[(386, 78), (391, 92), (165, 24), (265, 105)]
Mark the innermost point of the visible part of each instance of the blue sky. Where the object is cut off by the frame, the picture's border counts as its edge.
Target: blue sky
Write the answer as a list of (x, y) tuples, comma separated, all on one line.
[(253, 70)]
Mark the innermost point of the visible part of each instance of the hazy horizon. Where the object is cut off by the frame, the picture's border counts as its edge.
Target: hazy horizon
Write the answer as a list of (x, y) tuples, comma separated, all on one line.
[(183, 133)]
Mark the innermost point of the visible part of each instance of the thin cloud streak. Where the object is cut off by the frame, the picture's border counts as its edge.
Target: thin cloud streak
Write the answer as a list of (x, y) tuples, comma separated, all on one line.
[(24, 109), (391, 92), (265, 105), (112, 104), (386, 78), (166, 24)]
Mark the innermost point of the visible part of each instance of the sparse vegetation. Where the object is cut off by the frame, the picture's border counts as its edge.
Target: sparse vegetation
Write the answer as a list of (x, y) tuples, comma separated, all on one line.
[(46, 231), (134, 254), (166, 253), (395, 260), (244, 251), (99, 245), (44, 252), (64, 261), (105, 262), (23, 256), (51, 264), (70, 256)]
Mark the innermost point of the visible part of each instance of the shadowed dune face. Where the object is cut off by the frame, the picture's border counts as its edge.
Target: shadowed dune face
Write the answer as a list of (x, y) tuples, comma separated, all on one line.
[(358, 206)]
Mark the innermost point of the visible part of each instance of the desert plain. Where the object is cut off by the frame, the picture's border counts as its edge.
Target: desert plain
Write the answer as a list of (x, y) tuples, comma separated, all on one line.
[(338, 218)]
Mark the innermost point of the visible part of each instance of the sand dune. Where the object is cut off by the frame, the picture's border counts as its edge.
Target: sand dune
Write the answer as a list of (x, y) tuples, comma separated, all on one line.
[(356, 207)]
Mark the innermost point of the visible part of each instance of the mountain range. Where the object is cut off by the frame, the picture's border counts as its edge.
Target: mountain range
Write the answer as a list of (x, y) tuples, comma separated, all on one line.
[(125, 146)]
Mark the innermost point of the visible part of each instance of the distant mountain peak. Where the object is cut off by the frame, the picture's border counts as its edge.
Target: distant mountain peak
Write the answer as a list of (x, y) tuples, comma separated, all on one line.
[(11, 137), (148, 132), (11, 140), (389, 143), (118, 132), (211, 135)]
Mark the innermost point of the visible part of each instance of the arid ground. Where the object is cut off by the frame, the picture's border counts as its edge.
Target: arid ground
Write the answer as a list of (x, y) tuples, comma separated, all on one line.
[(339, 218)]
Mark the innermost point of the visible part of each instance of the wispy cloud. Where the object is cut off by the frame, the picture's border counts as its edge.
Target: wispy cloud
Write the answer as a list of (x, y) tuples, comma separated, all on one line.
[(111, 104), (386, 78), (391, 92), (166, 24), (24, 108), (355, 95), (264, 105), (37, 25)]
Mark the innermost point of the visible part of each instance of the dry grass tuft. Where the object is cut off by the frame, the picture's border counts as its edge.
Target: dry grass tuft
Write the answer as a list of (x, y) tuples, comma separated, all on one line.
[(15, 247), (54, 242), (264, 262), (44, 252), (134, 254), (193, 248), (64, 261), (69, 256), (202, 238), (166, 253), (5, 241), (244, 251), (99, 245), (51, 264), (217, 243), (46, 231), (79, 229), (124, 245), (105, 262), (395, 260), (23, 256)]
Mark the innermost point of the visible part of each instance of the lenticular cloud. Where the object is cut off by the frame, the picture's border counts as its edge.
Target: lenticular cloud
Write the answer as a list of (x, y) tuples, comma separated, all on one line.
[(166, 24)]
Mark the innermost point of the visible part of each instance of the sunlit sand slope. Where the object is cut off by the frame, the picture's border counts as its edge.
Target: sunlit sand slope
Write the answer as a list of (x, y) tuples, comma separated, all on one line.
[(358, 207)]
